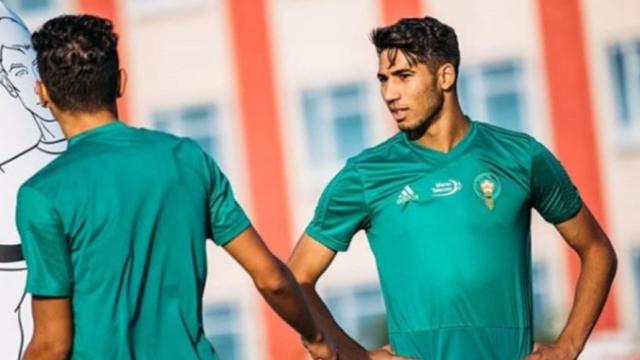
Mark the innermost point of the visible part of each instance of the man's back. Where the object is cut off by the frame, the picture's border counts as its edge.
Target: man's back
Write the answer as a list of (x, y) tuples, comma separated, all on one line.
[(134, 207)]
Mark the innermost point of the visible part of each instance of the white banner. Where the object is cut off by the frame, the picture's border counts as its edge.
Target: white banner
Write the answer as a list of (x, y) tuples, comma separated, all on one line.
[(29, 139)]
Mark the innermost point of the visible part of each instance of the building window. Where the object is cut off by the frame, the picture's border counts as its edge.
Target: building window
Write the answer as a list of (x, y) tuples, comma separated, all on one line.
[(336, 122), (222, 325), (542, 315), (29, 6), (624, 61), (154, 7), (540, 292), (360, 312), (636, 276), (198, 122), (494, 92)]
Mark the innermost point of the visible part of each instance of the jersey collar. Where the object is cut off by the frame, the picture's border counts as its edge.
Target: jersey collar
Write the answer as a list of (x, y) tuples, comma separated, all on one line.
[(456, 151), (102, 129)]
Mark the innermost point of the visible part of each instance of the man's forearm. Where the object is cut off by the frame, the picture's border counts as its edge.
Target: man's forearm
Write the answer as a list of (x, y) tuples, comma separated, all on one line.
[(53, 329), (598, 267), (285, 297), (349, 348)]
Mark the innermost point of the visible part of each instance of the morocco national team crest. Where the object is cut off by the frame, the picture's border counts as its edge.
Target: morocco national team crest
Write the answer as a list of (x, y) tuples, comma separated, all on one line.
[(487, 187)]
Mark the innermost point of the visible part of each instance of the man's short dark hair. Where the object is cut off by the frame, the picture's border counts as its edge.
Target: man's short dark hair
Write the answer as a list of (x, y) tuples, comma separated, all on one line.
[(78, 62), (421, 40)]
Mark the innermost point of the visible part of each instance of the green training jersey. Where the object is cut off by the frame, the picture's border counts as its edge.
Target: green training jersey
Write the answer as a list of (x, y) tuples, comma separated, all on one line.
[(450, 233), (119, 223)]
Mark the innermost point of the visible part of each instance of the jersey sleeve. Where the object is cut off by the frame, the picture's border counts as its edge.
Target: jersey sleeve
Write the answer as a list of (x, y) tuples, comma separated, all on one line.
[(554, 195), (44, 245), (341, 212), (226, 218)]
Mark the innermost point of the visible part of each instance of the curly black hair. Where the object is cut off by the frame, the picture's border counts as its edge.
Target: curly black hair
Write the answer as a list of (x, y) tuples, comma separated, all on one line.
[(78, 62), (421, 40)]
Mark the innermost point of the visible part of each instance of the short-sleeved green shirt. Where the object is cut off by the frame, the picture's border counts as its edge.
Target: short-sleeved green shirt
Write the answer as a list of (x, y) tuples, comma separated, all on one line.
[(451, 236), (119, 223)]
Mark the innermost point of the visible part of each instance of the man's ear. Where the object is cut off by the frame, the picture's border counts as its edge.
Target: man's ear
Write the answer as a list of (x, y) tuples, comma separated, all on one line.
[(6, 83), (43, 94), (447, 76), (122, 82)]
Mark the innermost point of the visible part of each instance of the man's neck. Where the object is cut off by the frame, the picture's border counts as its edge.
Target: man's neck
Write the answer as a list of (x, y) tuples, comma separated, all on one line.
[(75, 123), (446, 130)]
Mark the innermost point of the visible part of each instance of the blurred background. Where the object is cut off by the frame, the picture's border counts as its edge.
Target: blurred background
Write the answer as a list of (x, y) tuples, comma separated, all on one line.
[(281, 92)]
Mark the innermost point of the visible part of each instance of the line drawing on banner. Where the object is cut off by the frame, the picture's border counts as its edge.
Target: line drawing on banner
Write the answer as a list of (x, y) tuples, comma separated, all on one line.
[(30, 138)]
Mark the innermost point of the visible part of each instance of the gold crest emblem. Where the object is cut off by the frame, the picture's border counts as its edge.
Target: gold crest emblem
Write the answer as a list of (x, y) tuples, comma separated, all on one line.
[(487, 187)]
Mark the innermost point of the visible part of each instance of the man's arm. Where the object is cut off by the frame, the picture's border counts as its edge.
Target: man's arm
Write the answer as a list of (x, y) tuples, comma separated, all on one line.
[(277, 285), (53, 329), (49, 279), (308, 262), (598, 266)]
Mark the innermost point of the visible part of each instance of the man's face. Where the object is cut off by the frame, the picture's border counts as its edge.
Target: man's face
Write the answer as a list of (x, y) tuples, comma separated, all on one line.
[(19, 63), (410, 91)]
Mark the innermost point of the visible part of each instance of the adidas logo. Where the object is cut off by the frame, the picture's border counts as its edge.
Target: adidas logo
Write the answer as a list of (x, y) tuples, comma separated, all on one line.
[(406, 195)]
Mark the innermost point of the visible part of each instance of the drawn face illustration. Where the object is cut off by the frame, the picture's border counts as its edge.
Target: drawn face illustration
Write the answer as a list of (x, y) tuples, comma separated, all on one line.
[(24, 123), (18, 68)]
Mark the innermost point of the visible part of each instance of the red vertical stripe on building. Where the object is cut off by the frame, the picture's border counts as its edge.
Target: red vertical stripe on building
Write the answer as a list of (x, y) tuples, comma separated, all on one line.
[(572, 116), (393, 10), (258, 104), (110, 9)]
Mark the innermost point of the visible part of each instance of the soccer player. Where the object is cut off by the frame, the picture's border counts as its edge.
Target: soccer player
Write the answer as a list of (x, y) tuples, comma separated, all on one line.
[(114, 229), (446, 206)]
